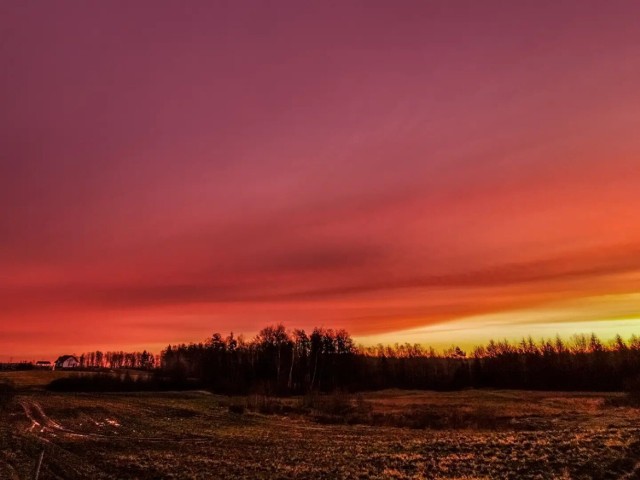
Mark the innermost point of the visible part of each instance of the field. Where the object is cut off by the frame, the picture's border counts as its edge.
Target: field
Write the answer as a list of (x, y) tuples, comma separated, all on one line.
[(389, 434)]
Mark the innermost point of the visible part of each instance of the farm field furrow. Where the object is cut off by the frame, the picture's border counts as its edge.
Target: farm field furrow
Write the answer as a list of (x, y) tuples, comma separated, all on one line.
[(196, 435)]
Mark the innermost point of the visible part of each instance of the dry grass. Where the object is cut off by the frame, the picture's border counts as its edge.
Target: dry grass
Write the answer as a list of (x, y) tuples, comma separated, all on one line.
[(40, 378), (194, 435), (36, 378)]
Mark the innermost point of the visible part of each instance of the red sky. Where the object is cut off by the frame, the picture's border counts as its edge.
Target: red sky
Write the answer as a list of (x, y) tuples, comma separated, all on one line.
[(170, 169)]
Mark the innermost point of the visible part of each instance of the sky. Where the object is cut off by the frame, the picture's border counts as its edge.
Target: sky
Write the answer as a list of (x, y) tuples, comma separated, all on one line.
[(437, 172)]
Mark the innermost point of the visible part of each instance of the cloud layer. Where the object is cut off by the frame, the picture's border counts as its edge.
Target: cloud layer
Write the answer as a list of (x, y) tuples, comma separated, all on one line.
[(167, 170)]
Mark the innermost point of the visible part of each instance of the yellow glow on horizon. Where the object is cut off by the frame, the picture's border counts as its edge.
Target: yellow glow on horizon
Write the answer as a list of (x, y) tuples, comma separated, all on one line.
[(606, 316)]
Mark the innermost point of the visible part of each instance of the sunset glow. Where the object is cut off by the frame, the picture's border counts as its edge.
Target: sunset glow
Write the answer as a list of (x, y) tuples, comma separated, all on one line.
[(433, 172)]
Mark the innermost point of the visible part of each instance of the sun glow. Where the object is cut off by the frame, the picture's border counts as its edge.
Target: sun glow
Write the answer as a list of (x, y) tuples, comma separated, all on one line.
[(606, 316)]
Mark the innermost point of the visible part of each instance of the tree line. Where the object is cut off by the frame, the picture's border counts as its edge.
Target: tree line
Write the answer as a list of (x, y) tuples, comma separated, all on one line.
[(275, 361), (116, 360), (278, 361)]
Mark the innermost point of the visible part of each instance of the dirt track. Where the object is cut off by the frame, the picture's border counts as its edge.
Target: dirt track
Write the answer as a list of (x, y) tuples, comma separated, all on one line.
[(44, 426)]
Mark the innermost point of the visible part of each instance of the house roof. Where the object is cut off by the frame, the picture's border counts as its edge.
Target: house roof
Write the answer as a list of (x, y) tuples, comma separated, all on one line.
[(65, 357)]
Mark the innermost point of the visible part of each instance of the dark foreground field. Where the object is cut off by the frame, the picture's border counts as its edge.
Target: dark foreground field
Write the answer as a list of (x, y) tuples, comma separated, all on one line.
[(390, 434)]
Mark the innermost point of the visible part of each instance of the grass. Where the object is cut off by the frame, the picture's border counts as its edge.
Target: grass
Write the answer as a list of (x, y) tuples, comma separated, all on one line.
[(41, 378), (198, 435), (36, 378)]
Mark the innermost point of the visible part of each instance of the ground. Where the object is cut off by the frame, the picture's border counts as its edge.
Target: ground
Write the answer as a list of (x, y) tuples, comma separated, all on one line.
[(497, 434)]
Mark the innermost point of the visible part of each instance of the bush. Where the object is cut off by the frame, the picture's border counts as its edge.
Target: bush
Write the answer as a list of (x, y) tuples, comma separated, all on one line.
[(631, 387), (267, 405), (237, 408), (337, 403), (118, 383), (337, 407)]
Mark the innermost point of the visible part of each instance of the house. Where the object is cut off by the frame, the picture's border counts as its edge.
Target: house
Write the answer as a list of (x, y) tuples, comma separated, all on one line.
[(67, 361), (44, 364)]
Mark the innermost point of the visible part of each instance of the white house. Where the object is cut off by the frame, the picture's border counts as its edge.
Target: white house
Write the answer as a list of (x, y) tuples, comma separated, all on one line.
[(67, 361), (44, 364)]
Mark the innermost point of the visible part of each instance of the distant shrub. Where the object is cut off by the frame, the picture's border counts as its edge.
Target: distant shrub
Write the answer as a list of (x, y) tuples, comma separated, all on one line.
[(7, 393), (237, 408), (20, 366), (631, 388), (338, 407), (267, 405), (118, 383)]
